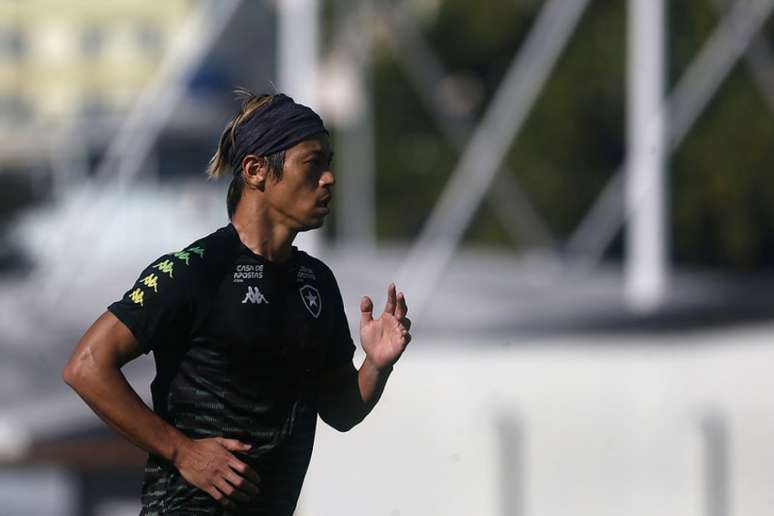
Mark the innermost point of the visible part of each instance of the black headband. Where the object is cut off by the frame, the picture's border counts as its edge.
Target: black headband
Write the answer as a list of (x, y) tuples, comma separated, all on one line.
[(274, 127)]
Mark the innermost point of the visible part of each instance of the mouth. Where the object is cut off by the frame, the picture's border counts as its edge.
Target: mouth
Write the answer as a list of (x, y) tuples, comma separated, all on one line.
[(323, 203)]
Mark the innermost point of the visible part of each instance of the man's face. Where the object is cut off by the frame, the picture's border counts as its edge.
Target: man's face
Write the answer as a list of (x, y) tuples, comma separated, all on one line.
[(300, 199)]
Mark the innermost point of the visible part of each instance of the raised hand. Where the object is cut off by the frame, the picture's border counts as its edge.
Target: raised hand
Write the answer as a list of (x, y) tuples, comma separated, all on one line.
[(384, 339), (209, 465)]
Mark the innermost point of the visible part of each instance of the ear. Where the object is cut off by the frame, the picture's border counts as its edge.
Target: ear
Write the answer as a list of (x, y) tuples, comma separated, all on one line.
[(255, 170)]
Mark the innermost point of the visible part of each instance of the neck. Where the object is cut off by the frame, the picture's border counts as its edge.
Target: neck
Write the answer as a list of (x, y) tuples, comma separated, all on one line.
[(259, 233)]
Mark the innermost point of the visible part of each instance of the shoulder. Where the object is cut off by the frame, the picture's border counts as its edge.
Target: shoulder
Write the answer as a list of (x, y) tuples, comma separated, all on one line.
[(314, 267), (314, 271), (209, 253), (188, 266)]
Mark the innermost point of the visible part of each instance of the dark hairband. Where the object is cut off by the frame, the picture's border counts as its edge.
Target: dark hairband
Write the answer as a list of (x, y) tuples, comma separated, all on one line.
[(273, 127)]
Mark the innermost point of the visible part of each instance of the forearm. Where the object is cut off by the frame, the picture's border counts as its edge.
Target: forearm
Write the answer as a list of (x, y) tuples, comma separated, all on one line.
[(349, 396), (107, 392), (371, 382)]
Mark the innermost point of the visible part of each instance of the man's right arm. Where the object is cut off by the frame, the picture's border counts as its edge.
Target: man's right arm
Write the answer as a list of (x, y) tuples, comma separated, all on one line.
[(94, 372)]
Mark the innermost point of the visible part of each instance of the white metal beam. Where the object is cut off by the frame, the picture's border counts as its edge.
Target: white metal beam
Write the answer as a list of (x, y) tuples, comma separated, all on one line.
[(425, 71), (758, 60), (350, 102), (298, 42), (695, 89), (646, 269)]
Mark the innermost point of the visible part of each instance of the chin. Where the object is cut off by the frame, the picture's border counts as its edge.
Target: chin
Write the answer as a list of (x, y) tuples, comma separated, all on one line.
[(311, 224)]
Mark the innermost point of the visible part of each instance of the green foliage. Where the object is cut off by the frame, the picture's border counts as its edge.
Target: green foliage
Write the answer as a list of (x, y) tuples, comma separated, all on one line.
[(722, 193)]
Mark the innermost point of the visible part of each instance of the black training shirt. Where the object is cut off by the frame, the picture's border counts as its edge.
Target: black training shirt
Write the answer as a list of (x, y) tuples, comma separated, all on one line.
[(240, 343)]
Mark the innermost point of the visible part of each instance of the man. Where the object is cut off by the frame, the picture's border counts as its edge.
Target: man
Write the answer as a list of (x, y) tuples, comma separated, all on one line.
[(249, 334)]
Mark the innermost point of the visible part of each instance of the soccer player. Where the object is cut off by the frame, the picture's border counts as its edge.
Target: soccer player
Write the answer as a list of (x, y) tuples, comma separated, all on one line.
[(248, 333)]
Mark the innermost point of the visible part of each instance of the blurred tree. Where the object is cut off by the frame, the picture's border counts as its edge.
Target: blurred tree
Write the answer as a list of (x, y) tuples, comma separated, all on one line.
[(722, 198)]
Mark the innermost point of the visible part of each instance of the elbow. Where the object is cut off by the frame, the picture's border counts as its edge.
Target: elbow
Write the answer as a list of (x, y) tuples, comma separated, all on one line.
[(344, 426), (75, 373), (71, 374), (342, 423)]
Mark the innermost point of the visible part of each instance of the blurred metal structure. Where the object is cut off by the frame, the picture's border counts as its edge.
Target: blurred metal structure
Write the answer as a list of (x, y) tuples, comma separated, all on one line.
[(511, 205), (645, 270), (646, 280), (298, 42), (685, 103), (504, 117), (350, 106), (298, 72)]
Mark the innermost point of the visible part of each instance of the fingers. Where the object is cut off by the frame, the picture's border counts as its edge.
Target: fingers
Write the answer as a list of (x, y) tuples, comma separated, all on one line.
[(220, 497), (241, 483), (210, 465), (231, 493), (389, 307), (405, 326), (401, 328), (245, 471), (233, 444), (366, 310), (230, 488), (240, 475), (402, 309)]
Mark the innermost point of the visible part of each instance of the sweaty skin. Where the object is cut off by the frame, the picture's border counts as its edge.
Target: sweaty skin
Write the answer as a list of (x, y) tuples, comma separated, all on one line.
[(268, 217)]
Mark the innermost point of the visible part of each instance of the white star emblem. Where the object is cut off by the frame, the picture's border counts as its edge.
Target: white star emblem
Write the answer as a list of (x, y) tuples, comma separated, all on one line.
[(311, 298)]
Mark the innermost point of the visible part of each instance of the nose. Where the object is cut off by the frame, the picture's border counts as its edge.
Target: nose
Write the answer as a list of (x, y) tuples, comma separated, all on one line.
[(327, 178)]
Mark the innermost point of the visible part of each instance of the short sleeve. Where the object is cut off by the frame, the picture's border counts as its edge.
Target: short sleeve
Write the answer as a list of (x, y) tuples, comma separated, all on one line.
[(157, 307), (341, 348)]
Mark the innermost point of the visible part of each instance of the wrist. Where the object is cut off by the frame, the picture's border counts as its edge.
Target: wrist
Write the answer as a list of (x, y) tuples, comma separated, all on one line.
[(381, 370), (179, 444)]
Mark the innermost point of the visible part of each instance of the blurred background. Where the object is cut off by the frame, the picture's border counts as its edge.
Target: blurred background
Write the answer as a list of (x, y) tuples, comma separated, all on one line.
[(576, 197)]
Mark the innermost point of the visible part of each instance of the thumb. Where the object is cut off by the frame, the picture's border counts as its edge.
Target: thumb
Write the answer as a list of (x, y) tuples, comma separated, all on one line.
[(366, 310), (233, 444)]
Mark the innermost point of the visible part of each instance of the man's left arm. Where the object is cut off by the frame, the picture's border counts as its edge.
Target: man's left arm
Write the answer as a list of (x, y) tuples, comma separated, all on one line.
[(349, 394)]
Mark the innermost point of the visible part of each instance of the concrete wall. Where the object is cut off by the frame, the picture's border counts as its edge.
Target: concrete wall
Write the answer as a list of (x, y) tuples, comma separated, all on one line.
[(677, 424)]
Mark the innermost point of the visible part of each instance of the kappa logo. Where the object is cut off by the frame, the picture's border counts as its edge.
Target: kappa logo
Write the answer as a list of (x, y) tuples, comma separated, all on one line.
[(137, 296), (183, 255), (254, 296), (151, 280), (165, 266), (311, 299)]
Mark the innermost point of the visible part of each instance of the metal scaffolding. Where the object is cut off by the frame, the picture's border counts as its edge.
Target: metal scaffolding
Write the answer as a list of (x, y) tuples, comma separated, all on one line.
[(657, 120)]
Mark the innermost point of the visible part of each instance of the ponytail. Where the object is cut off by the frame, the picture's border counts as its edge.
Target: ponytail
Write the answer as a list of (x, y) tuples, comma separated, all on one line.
[(221, 162)]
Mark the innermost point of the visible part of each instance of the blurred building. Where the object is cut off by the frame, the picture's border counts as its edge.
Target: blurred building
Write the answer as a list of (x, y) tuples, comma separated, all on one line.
[(75, 66)]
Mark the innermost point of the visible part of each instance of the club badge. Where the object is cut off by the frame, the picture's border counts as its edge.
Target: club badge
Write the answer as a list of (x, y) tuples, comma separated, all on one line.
[(311, 298)]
